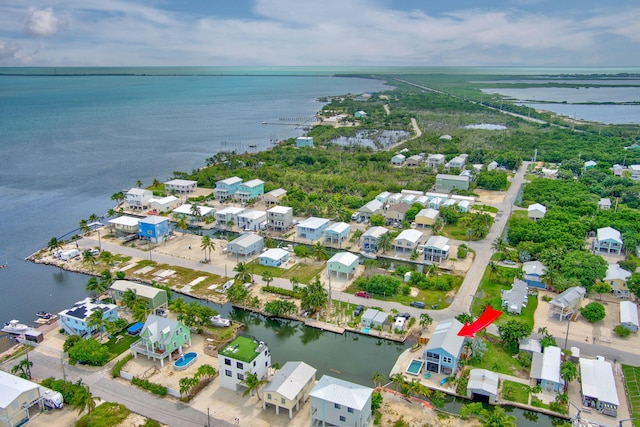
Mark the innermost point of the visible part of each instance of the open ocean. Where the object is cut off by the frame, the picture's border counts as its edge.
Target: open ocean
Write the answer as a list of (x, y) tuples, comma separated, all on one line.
[(67, 143)]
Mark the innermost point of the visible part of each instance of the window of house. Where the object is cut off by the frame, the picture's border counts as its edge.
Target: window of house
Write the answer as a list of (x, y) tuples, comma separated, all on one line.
[(282, 400), (350, 410), (254, 363), (227, 362), (241, 377), (269, 396), (239, 365), (336, 405), (228, 373), (446, 359), (343, 418)]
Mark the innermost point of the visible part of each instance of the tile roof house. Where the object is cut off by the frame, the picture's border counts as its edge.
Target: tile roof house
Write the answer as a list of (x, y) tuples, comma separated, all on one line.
[(75, 321), (160, 337), (340, 403), (545, 368), (516, 298), (289, 387), (443, 350), (608, 241), (567, 303)]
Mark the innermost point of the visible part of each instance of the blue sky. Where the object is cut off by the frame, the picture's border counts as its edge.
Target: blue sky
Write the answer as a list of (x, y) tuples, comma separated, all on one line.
[(566, 33)]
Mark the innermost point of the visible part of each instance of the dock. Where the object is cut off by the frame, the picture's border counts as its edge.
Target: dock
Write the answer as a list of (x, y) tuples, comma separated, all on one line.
[(325, 326)]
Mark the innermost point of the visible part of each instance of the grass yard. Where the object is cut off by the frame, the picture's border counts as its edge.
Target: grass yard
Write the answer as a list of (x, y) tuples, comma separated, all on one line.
[(118, 346), (303, 271), (498, 359), (515, 392), (632, 385)]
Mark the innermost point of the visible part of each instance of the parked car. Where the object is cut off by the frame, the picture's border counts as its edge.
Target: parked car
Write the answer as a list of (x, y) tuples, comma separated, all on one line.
[(405, 315), (363, 294), (508, 262), (358, 310), (417, 304)]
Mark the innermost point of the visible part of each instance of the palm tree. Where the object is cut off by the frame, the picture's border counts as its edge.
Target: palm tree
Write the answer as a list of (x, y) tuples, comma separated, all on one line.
[(378, 378), (140, 311), (356, 236), (93, 217), (195, 211), (23, 368), (385, 242), (206, 371), (182, 224), (497, 418), (267, 277), (204, 245), (54, 244), (139, 184), (106, 279), (117, 197), (294, 283), (83, 399), (111, 213), (83, 225), (242, 274), (96, 286), (498, 245), (187, 384), (129, 298), (253, 383), (87, 258), (96, 321), (568, 371), (425, 319), (319, 252), (397, 380)]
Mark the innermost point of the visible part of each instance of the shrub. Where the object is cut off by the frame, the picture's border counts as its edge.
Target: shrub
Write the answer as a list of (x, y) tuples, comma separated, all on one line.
[(89, 351), (621, 331), (115, 372), (70, 342), (280, 291), (593, 312), (158, 389)]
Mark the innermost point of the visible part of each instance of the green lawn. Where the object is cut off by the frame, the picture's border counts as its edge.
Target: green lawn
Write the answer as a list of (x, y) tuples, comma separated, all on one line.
[(242, 348), (497, 358), (117, 347), (632, 385), (515, 392), (304, 272)]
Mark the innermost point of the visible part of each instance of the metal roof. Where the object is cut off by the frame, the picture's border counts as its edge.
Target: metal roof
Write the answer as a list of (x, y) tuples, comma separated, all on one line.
[(375, 231), (338, 227), (313, 223), (546, 365), (410, 235), (153, 219), (428, 213), (344, 258), (537, 207), (628, 313), (597, 380), (186, 209), (446, 336), (280, 209), (230, 181), (615, 272), (609, 233), (290, 379), (534, 267), (186, 182), (11, 387), (568, 297), (246, 240), (482, 379), (342, 392), (125, 220), (274, 253), (140, 289), (439, 242)]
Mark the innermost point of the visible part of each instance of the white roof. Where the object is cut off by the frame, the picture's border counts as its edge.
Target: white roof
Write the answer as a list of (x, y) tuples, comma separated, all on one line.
[(452, 177), (482, 379), (590, 163), (155, 326), (163, 200), (139, 191), (274, 253), (546, 365), (534, 267), (139, 288), (439, 242), (373, 206), (181, 182), (186, 209), (290, 379), (604, 202), (153, 219), (446, 336), (253, 183), (375, 231), (280, 209), (399, 157), (537, 207), (609, 233), (125, 220), (615, 272), (230, 181), (277, 192), (344, 258), (338, 227), (465, 203), (436, 156), (410, 235), (313, 222), (252, 214), (230, 210), (342, 392), (628, 313), (246, 240), (428, 213), (597, 380), (11, 387), (530, 344)]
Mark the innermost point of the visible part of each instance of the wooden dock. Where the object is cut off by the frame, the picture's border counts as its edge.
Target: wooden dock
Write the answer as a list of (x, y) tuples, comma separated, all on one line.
[(325, 326)]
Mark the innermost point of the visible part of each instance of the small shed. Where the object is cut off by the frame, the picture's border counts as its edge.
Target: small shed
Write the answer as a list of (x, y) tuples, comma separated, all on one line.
[(483, 382), (629, 315), (536, 211), (373, 318)]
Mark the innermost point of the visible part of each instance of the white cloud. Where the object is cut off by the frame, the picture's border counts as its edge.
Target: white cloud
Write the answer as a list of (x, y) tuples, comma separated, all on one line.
[(42, 23), (8, 50)]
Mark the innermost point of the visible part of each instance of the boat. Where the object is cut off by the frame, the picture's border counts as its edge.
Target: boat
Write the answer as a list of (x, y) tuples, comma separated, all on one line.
[(15, 327), (44, 315), (220, 321)]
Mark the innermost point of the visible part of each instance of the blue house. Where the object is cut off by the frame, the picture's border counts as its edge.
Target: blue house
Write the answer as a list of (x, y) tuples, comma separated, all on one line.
[(274, 257), (250, 190), (533, 272), (608, 241), (337, 233), (153, 228), (443, 351), (312, 228), (226, 188), (545, 368), (75, 321), (304, 141)]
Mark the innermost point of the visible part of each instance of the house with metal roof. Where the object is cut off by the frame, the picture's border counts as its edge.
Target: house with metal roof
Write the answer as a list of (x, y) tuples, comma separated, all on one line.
[(536, 211), (312, 228), (599, 386), (273, 257), (443, 350), (435, 160), (243, 355), (252, 220), (464, 205), (304, 141), (373, 207), (249, 190), (436, 249), (458, 162), (568, 303), (274, 197), (17, 397), (426, 217), (155, 298), (153, 228), (383, 197), (226, 188), (375, 319), (228, 215), (164, 204), (533, 272), (608, 241), (604, 203), (180, 186), (75, 320), (530, 345), (407, 241), (370, 238), (160, 337), (545, 368), (338, 402), (483, 382), (398, 159), (343, 263), (492, 166), (279, 218), (124, 224), (394, 198), (245, 245), (629, 315), (186, 210), (446, 183), (337, 233), (617, 278), (290, 387), (590, 164), (516, 298), (138, 198)]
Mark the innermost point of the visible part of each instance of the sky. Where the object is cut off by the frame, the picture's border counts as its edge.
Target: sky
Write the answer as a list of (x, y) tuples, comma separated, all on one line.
[(563, 33)]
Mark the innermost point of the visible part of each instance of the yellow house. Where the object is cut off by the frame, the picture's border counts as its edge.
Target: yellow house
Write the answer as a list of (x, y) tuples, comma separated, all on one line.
[(426, 217), (17, 397), (289, 387)]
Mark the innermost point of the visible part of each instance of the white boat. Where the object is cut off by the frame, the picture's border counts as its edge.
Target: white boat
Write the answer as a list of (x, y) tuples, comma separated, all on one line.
[(15, 327), (220, 321)]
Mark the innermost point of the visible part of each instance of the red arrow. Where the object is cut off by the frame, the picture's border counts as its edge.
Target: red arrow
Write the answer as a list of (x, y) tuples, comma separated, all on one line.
[(467, 331)]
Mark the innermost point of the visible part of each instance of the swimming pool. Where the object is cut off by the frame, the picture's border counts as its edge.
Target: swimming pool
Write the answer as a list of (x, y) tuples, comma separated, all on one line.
[(415, 367), (365, 330), (185, 361)]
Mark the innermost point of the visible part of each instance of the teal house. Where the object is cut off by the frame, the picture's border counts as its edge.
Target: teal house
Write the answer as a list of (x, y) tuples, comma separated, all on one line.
[(160, 338), (153, 228), (249, 190), (304, 141), (226, 188)]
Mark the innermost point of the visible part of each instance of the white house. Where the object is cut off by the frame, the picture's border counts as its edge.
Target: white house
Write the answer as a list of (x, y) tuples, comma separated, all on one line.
[(180, 186), (245, 245), (435, 160), (186, 210), (407, 240), (340, 403), (629, 315), (274, 197), (273, 257), (17, 397), (483, 382), (608, 241), (598, 386), (228, 215), (125, 224), (516, 298), (436, 249), (372, 207), (279, 218), (457, 162), (343, 263), (536, 211), (241, 356), (164, 204), (252, 220), (289, 387), (138, 198)]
